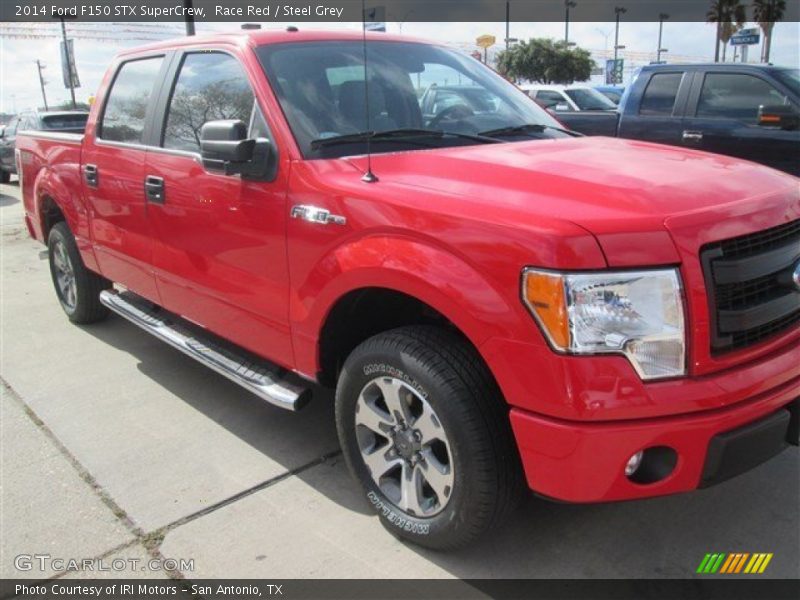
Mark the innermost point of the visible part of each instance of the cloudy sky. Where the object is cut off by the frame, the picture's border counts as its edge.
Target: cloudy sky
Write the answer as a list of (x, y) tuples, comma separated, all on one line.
[(19, 82)]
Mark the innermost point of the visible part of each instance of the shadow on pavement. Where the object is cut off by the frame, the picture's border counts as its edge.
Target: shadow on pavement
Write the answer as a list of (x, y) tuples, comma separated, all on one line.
[(662, 537)]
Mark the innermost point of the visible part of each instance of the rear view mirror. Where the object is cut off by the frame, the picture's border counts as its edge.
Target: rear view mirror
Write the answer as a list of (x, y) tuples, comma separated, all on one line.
[(225, 147), (781, 116)]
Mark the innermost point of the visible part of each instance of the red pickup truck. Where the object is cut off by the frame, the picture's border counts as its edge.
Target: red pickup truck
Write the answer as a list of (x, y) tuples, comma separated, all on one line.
[(497, 301)]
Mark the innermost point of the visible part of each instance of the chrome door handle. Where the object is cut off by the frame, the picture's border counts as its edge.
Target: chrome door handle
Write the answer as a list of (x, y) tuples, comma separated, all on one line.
[(315, 214), (693, 136)]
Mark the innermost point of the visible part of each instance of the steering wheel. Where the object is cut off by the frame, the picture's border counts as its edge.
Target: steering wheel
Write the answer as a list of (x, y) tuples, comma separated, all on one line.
[(457, 111)]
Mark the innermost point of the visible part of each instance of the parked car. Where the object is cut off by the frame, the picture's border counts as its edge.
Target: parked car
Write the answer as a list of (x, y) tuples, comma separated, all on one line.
[(55, 121), (498, 303), (612, 92), (747, 111), (573, 98)]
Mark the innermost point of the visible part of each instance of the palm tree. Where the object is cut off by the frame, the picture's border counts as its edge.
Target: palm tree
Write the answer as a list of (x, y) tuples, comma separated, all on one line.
[(730, 16), (766, 14)]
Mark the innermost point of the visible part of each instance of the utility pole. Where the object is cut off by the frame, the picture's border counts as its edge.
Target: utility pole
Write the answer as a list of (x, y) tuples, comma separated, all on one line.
[(40, 66), (568, 4), (70, 59), (189, 18), (618, 10), (661, 18), (508, 22)]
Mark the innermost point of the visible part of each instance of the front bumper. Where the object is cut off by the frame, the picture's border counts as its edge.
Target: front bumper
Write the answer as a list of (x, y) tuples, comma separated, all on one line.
[(584, 462)]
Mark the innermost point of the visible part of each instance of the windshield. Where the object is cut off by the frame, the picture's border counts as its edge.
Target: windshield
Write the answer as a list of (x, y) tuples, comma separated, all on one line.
[(790, 78), (412, 86), (58, 122), (589, 99)]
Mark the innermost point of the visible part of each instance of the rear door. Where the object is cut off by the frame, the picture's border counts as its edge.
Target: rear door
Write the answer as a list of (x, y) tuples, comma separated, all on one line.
[(723, 118), (220, 240), (655, 114), (113, 172)]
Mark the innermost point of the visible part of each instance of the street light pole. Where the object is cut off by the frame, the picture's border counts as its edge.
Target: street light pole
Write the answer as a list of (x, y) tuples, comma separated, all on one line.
[(69, 63), (189, 18), (568, 4), (508, 22), (661, 18), (40, 66), (618, 10)]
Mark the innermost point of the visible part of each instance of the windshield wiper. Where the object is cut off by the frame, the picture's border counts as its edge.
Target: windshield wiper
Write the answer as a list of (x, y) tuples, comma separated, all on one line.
[(394, 134), (528, 127)]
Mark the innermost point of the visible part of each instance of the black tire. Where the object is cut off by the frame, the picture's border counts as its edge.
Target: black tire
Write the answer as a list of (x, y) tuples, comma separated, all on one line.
[(444, 369), (85, 307), (5, 176)]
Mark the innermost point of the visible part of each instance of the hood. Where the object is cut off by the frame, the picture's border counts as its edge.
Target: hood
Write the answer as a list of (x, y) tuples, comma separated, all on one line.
[(622, 191)]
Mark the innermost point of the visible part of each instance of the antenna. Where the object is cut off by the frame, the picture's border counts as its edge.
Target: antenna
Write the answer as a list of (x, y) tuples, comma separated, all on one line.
[(369, 176)]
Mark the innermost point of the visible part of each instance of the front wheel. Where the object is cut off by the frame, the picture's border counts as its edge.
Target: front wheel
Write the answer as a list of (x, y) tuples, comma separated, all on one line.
[(425, 432), (78, 289)]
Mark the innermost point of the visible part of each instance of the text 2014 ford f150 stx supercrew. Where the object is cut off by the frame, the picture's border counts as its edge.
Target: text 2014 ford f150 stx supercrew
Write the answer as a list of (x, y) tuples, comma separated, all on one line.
[(497, 301)]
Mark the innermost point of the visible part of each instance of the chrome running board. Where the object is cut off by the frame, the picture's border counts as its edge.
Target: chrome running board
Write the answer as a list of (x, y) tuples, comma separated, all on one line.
[(267, 381)]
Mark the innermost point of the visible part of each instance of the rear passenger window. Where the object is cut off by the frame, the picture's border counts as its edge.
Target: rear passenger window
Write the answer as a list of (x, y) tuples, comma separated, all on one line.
[(124, 114), (659, 97), (211, 86), (736, 96)]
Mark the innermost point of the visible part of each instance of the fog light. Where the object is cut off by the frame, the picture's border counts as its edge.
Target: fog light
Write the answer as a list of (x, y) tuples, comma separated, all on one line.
[(633, 463)]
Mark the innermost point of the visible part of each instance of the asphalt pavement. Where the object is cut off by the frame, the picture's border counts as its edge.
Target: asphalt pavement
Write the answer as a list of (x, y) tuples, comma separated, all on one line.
[(116, 446)]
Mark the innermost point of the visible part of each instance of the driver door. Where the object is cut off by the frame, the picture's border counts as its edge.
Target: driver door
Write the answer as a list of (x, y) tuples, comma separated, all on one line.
[(220, 240)]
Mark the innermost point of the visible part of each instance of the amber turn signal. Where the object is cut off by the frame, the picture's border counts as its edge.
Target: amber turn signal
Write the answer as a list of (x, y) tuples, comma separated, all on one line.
[(543, 293)]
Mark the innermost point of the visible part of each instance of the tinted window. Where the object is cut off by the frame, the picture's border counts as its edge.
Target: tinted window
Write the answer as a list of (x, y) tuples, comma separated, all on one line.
[(123, 118), (790, 78), (211, 86), (659, 97), (736, 96), (61, 122)]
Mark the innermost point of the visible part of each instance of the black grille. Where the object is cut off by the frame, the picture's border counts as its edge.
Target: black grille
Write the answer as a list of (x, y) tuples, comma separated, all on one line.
[(752, 296)]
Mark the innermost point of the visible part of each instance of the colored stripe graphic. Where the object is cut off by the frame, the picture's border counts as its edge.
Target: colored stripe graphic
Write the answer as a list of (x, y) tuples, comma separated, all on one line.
[(765, 563), (734, 563)]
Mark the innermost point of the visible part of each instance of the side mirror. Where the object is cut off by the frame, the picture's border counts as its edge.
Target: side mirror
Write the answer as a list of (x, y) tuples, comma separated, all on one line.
[(224, 145), (782, 116)]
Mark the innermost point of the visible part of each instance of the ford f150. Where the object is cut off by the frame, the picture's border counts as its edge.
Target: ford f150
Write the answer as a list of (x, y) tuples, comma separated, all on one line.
[(497, 301)]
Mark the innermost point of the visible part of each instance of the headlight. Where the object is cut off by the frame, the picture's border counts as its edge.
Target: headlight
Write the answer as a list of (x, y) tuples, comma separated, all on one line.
[(635, 313)]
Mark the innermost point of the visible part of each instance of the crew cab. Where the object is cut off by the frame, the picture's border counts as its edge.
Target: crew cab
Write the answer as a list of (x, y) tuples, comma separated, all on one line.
[(499, 303), (746, 111)]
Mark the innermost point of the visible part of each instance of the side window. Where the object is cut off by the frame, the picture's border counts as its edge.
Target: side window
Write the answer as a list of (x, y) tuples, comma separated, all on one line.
[(11, 129), (126, 107), (550, 98), (736, 96), (659, 97), (211, 86)]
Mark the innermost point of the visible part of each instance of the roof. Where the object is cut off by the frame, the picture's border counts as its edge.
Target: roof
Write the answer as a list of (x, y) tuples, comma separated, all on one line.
[(724, 66), (259, 37)]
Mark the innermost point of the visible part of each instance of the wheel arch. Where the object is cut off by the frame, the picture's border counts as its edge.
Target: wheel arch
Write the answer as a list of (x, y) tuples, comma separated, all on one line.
[(421, 284)]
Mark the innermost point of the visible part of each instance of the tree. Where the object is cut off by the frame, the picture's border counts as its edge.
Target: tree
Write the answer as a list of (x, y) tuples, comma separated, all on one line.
[(730, 16), (766, 14), (546, 61)]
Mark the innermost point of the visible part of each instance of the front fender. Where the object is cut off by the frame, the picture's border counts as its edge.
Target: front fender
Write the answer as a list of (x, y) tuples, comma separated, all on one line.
[(417, 268)]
